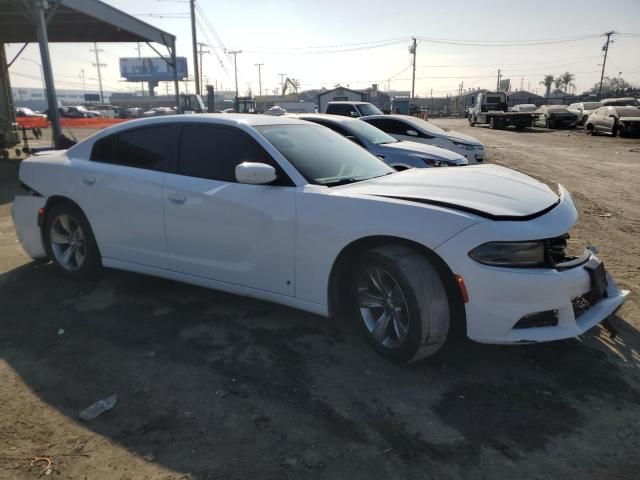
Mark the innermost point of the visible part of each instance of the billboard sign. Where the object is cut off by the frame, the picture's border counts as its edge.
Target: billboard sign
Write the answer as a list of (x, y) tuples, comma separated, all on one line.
[(151, 69)]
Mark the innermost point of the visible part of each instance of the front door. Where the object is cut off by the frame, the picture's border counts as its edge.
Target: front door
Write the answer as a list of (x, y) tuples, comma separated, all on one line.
[(223, 230)]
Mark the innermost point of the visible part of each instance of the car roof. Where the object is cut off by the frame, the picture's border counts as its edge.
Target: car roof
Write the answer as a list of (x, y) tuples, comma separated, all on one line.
[(397, 116), (236, 119), (327, 117), (348, 102)]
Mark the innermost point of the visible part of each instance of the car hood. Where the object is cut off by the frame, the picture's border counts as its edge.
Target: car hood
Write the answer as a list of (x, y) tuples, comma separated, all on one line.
[(435, 153), (459, 137), (490, 191)]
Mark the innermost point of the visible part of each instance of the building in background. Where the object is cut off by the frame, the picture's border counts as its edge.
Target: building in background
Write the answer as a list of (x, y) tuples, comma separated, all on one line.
[(339, 94), (380, 99), (35, 98)]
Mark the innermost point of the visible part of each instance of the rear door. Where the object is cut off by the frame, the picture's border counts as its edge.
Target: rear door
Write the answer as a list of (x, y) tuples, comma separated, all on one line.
[(223, 230), (120, 191)]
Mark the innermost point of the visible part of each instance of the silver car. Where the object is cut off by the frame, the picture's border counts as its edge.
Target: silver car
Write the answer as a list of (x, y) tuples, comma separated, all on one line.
[(398, 154)]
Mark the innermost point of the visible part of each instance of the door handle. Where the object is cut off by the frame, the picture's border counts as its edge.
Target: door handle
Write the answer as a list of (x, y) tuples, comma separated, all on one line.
[(88, 180), (177, 198)]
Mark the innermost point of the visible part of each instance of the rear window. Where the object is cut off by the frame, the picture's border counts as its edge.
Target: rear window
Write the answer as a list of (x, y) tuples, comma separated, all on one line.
[(148, 148)]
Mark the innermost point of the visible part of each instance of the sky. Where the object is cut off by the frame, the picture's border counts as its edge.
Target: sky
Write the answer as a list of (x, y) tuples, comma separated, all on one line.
[(356, 43)]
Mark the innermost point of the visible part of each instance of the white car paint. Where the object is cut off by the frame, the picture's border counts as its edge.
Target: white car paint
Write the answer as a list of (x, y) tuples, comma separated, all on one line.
[(279, 243), (467, 146)]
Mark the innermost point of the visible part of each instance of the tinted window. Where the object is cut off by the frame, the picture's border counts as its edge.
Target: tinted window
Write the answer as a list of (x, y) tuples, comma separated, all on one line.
[(394, 127), (214, 152), (341, 109), (104, 150), (148, 148), (145, 148)]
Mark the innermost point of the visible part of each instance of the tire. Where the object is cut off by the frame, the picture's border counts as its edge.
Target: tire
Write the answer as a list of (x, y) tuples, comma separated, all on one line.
[(66, 229), (471, 122), (398, 286)]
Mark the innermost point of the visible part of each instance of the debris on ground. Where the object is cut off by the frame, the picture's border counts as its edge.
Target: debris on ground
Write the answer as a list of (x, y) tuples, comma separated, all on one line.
[(98, 408), (61, 331), (47, 470)]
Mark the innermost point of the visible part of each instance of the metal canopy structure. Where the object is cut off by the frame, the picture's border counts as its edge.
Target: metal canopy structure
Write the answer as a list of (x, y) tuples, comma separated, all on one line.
[(44, 21)]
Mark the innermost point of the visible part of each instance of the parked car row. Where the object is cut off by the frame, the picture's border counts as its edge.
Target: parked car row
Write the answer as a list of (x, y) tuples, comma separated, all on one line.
[(287, 210)]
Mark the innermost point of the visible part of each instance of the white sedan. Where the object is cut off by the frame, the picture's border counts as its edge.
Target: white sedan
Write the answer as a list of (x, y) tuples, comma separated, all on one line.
[(287, 211), (406, 127)]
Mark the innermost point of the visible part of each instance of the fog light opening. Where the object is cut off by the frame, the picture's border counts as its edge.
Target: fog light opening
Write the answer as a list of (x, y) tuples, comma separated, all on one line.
[(548, 318)]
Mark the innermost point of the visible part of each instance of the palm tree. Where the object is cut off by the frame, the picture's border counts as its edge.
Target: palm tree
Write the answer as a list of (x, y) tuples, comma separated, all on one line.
[(558, 82), (547, 82), (567, 80)]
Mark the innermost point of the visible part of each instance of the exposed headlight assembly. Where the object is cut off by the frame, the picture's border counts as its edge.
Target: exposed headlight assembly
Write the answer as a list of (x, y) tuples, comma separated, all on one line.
[(510, 254), (434, 163)]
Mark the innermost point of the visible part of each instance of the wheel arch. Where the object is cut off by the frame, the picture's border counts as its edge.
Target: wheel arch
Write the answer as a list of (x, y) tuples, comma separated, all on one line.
[(53, 201), (337, 288)]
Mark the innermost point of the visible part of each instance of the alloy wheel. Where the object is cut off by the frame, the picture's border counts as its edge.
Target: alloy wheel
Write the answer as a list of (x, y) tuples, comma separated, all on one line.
[(383, 307), (67, 242)]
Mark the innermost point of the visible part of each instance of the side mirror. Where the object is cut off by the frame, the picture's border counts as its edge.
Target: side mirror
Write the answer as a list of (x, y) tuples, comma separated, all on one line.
[(353, 114), (412, 133), (255, 173)]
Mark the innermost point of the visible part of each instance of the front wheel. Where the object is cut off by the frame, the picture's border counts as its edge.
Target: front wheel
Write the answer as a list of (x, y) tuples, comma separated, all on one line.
[(402, 303), (70, 242)]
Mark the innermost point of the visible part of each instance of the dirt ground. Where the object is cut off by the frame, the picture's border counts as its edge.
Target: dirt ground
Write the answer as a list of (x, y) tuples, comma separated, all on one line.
[(214, 386)]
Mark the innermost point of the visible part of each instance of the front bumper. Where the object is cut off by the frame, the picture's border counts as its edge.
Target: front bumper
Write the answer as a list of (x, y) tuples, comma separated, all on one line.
[(500, 297), (509, 296)]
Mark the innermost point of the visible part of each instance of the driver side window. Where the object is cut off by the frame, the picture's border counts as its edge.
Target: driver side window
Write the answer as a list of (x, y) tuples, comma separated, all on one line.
[(213, 152)]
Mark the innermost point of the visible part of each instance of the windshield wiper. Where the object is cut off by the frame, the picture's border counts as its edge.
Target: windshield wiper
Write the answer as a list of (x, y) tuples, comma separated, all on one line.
[(342, 181)]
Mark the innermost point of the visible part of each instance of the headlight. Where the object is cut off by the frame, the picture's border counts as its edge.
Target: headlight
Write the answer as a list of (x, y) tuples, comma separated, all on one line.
[(510, 254), (434, 163), (466, 146)]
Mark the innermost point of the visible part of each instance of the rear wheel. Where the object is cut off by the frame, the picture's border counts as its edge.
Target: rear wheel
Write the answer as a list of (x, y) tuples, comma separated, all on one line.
[(590, 130), (70, 242), (401, 303)]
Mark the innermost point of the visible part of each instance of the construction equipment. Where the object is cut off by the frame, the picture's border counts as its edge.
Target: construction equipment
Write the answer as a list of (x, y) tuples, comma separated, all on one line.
[(293, 83)]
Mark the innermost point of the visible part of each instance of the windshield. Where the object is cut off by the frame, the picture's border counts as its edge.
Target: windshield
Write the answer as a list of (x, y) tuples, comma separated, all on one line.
[(368, 109), (369, 132), (426, 126), (322, 156), (591, 105)]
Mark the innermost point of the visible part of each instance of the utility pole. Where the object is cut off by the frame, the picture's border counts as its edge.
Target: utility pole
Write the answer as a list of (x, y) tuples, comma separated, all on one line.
[(498, 82), (84, 85), (259, 65), (194, 41), (98, 65), (141, 83), (200, 52), (412, 50), (282, 75), (235, 69), (604, 63)]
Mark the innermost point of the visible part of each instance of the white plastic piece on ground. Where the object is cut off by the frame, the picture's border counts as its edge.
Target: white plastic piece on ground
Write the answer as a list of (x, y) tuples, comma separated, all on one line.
[(99, 408)]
